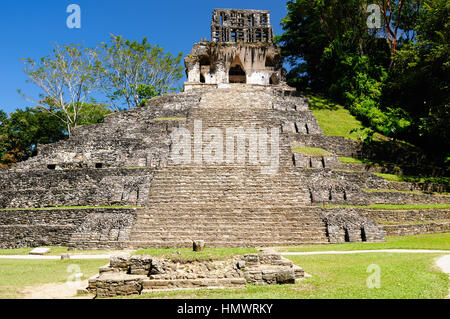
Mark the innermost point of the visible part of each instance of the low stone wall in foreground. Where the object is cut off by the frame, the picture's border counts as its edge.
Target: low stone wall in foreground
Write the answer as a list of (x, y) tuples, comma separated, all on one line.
[(134, 275)]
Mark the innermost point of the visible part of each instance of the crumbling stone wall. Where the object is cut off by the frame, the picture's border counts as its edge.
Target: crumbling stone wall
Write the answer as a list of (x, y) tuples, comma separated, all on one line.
[(134, 138), (405, 216), (350, 227), (110, 228), (235, 25), (416, 229), (81, 187), (128, 275), (222, 63)]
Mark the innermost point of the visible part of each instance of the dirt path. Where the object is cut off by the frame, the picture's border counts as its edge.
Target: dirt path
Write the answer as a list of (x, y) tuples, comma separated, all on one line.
[(55, 291), (444, 263)]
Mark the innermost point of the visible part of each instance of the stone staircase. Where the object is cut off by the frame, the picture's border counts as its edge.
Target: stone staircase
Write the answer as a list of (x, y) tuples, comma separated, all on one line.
[(230, 204), (221, 225)]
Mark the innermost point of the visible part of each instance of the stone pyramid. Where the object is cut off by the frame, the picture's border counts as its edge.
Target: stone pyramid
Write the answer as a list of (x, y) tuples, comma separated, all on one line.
[(124, 184)]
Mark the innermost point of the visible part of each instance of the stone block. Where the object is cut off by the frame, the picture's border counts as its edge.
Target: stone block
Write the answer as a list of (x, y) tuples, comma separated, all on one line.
[(65, 256), (120, 262), (39, 251), (285, 276), (298, 272), (140, 264), (198, 245), (157, 267)]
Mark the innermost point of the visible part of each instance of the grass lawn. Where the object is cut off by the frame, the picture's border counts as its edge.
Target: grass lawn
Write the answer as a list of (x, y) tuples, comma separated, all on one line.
[(344, 276), (209, 253), (312, 151), (17, 274), (329, 114), (333, 276), (426, 241), (353, 160)]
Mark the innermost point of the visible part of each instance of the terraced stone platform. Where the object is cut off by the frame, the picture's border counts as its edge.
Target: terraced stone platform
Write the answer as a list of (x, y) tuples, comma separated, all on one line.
[(148, 199)]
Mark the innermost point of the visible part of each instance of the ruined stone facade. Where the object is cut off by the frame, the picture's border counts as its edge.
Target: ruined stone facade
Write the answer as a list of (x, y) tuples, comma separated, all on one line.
[(241, 51), (233, 25)]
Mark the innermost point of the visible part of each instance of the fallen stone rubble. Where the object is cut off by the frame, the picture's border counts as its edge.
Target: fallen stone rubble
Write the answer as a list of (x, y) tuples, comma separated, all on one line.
[(134, 275)]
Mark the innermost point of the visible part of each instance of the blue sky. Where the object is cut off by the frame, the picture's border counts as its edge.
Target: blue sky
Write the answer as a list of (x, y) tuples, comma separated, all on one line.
[(28, 29)]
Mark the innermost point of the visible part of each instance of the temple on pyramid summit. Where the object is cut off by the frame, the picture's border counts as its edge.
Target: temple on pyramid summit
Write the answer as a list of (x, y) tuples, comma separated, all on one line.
[(241, 50)]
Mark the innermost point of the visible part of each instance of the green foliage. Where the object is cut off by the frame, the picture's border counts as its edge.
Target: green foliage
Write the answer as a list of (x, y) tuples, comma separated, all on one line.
[(92, 113), (394, 80), (24, 130), (134, 72), (419, 82), (67, 78), (322, 39), (126, 72), (333, 54)]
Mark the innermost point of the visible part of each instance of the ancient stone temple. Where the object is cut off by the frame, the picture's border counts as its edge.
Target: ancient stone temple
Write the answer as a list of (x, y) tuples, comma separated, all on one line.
[(241, 51), (219, 162)]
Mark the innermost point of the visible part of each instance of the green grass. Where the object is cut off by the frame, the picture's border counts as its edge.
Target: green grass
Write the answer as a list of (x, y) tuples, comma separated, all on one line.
[(312, 151), (344, 276), (169, 118), (187, 254), (334, 119), (439, 241), (397, 207), (17, 274), (415, 179), (352, 160), (71, 207)]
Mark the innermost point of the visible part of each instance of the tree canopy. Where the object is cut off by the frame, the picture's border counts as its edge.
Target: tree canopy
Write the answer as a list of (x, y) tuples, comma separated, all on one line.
[(134, 72), (121, 74), (394, 78)]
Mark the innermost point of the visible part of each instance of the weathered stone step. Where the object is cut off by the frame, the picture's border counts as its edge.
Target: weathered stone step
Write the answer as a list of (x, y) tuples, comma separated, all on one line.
[(416, 228), (409, 186), (232, 237), (227, 220), (406, 216), (178, 284), (393, 197), (223, 243), (256, 229)]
